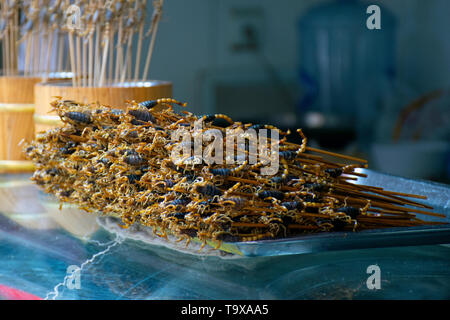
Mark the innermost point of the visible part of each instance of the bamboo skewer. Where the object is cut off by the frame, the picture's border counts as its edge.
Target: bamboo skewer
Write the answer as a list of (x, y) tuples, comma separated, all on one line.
[(60, 56), (393, 195), (105, 57), (380, 197), (6, 42), (118, 52), (90, 57), (127, 65), (78, 60), (97, 54), (47, 69), (72, 58), (138, 52), (154, 30), (337, 155), (84, 63), (41, 57), (388, 206), (111, 57)]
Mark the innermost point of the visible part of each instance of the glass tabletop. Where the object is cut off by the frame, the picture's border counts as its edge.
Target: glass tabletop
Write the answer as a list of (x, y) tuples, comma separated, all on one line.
[(56, 254)]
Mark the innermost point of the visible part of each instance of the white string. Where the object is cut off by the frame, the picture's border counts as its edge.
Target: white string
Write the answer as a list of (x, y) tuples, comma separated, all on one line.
[(55, 291)]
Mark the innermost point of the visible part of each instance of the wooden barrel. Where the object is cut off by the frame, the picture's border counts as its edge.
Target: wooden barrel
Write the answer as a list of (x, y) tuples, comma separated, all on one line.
[(16, 118), (114, 96), (16, 121)]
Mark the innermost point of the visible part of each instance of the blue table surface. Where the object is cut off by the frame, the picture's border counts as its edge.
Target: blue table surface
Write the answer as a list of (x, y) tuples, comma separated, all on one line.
[(37, 261)]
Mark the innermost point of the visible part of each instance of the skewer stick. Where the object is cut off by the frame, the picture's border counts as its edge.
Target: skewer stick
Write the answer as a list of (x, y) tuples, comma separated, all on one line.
[(97, 54), (337, 155), (6, 44), (152, 41), (16, 37), (408, 195), (72, 57), (390, 213), (3, 56), (369, 188), (49, 54), (60, 57), (129, 67), (90, 57), (32, 49), (302, 226), (10, 51), (111, 58), (389, 206), (379, 197), (78, 60), (43, 41), (12, 46), (138, 52), (84, 62), (1, 40), (27, 54), (247, 224), (390, 194), (36, 51), (105, 56), (127, 64), (119, 52), (150, 52)]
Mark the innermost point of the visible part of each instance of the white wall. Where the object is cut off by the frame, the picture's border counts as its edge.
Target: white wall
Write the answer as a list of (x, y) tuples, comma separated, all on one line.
[(192, 41), (423, 42)]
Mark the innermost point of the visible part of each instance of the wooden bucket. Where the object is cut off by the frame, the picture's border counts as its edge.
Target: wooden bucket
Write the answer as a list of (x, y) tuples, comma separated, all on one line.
[(16, 121), (114, 96), (16, 118)]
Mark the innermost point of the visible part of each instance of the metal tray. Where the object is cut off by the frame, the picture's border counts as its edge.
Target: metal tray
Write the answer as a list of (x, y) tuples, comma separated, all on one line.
[(438, 196)]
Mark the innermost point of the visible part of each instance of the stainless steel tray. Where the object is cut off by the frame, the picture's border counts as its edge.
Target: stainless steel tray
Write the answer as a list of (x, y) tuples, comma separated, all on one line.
[(438, 196)]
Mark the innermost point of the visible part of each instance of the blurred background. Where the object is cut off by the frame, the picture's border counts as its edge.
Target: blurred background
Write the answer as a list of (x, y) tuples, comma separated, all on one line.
[(381, 93)]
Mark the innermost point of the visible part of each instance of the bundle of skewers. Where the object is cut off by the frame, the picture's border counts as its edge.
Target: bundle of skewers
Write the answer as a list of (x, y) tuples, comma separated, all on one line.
[(20, 27), (32, 25), (119, 162), (106, 39), (9, 34)]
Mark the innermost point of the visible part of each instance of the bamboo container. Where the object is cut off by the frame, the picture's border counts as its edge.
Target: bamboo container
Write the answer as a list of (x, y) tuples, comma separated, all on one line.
[(16, 121), (114, 96), (16, 118)]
